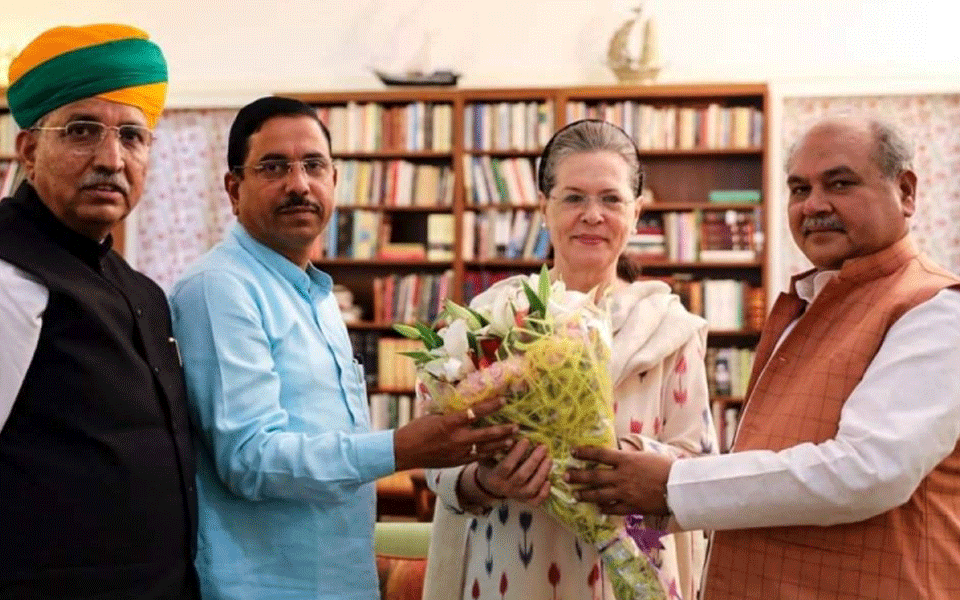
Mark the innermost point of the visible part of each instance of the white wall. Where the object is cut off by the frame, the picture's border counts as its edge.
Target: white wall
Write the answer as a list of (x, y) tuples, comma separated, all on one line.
[(227, 52)]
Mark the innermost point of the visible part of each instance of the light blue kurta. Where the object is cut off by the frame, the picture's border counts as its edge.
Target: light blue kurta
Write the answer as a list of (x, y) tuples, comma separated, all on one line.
[(286, 458)]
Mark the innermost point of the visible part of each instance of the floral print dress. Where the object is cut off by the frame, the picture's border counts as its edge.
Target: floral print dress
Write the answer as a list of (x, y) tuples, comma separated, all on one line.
[(517, 551)]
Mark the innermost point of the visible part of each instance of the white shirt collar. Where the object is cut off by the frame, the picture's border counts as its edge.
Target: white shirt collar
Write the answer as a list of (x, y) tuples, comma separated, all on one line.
[(810, 286)]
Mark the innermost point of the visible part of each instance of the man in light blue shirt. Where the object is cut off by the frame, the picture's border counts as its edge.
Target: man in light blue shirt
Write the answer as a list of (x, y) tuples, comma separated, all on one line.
[(286, 457)]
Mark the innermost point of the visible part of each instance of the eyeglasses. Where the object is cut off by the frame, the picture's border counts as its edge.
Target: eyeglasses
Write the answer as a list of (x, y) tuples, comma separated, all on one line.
[(274, 170), (610, 204), (85, 136)]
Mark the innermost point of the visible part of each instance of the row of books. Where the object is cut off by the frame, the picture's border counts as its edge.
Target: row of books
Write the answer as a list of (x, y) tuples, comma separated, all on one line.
[(515, 234), (415, 297), (361, 234), (393, 183), (389, 411), (678, 127), (726, 418), (11, 174), (373, 127), (8, 134), (495, 181), (520, 126), (728, 371), (701, 235), (394, 370), (475, 282), (726, 304)]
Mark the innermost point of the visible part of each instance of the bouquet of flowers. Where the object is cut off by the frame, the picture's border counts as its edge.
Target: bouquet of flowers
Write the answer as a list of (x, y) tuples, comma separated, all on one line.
[(546, 352)]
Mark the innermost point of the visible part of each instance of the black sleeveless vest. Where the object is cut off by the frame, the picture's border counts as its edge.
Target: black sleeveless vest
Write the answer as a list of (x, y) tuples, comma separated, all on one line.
[(97, 495)]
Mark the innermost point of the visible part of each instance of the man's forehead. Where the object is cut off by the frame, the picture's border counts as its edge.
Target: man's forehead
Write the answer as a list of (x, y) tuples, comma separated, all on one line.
[(291, 137), (97, 109), (831, 148)]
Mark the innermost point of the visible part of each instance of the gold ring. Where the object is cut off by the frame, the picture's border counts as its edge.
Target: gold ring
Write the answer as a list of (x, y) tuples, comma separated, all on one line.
[(470, 414)]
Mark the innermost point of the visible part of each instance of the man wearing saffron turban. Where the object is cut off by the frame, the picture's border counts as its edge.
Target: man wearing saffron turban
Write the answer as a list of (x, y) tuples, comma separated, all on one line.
[(96, 464)]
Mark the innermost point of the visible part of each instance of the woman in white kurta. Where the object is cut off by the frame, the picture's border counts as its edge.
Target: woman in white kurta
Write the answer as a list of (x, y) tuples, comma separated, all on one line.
[(491, 539)]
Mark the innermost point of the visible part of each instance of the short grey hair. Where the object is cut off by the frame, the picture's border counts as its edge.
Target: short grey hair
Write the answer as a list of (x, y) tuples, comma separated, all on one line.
[(588, 135), (892, 152)]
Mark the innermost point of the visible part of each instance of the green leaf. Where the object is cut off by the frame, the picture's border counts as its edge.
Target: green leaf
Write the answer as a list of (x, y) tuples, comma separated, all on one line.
[(474, 344), (484, 321), (430, 337), (418, 356), (407, 331), (544, 287), (537, 308), (460, 312)]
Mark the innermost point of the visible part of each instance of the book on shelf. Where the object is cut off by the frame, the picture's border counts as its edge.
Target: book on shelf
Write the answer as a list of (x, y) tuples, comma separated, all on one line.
[(728, 236), (726, 304), (440, 236), (389, 411), (374, 127), (366, 227), (401, 251), (411, 297), (508, 235), (648, 240), (394, 370), (734, 196), (393, 183), (668, 127), (359, 234), (364, 345), (728, 370), (519, 126), (500, 181), (681, 235), (343, 243), (726, 418), (475, 282)]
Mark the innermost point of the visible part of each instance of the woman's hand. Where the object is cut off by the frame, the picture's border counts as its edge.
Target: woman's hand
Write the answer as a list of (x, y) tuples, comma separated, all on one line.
[(521, 475)]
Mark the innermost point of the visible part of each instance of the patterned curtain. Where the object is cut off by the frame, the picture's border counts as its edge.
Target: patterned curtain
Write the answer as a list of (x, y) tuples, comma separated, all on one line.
[(184, 210), (932, 124)]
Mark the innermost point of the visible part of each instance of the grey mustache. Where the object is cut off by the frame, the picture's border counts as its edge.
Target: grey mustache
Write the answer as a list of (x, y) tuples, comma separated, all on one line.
[(96, 179), (831, 222)]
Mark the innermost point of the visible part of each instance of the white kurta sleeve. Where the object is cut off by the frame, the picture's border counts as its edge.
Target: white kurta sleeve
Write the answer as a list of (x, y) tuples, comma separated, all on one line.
[(22, 302), (900, 421)]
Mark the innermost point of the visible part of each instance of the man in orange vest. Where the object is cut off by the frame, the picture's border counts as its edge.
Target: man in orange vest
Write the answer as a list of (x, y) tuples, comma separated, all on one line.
[(842, 482)]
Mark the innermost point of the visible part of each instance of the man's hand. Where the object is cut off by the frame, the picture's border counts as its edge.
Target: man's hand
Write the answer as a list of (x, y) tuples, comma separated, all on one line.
[(435, 441), (636, 483)]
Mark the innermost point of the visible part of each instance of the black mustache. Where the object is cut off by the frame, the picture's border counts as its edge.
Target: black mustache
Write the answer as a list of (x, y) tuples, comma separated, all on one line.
[(298, 201)]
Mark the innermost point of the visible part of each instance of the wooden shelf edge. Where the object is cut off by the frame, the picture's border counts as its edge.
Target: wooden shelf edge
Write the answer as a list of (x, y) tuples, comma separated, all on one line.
[(387, 153), (385, 208), (646, 262), (505, 263), (693, 205), (380, 262)]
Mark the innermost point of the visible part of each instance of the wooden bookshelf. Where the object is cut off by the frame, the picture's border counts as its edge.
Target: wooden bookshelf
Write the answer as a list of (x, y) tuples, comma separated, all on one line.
[(726, 149)]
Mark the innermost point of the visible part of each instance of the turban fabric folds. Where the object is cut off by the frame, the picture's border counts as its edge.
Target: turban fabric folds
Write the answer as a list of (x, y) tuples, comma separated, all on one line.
[(67, 64)]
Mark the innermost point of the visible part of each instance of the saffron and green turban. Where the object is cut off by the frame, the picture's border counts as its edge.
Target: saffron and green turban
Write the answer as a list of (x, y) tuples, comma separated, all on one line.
[(66, 64)]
